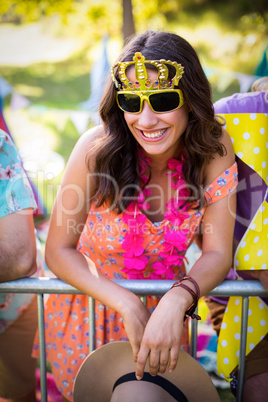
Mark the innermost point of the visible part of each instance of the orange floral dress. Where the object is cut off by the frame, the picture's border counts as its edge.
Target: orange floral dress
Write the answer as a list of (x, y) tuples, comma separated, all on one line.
[(66, 316)]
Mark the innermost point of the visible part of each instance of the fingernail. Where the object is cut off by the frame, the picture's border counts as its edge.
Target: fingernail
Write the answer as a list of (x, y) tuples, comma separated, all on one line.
[(138, 377), (170, 370)]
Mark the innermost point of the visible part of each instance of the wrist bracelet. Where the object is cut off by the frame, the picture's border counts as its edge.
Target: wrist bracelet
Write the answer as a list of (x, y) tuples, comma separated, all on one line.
[(189, 278), (189, 290), (190, 311)]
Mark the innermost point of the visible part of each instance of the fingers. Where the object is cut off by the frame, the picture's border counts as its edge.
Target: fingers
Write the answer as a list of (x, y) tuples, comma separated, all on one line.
[(159, 361), (164, 358), (154, 360), (141, 361), (135, 351), (174, 355)]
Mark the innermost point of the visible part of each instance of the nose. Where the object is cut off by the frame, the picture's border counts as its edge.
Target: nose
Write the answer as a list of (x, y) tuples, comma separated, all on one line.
[(147, 117)]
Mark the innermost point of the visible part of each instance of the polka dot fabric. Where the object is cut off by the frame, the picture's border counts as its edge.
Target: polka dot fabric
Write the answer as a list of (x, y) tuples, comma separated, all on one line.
[(252, 252), (229, 338), (249, 134)]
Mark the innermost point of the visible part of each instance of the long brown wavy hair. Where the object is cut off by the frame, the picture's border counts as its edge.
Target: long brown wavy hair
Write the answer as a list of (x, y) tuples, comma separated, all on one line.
[(117, 157)]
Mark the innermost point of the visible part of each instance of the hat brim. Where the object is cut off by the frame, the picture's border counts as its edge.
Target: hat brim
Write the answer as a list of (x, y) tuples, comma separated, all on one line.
[(100, 370)]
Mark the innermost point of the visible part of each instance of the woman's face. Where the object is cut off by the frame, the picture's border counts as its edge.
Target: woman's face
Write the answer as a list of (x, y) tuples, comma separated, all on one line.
[(157, 133)]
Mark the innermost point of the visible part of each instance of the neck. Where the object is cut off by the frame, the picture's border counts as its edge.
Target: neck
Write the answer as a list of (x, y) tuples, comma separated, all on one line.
[(159, 163)]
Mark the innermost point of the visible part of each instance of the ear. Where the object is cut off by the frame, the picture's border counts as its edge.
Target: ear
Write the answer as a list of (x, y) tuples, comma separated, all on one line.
[(188, 108)]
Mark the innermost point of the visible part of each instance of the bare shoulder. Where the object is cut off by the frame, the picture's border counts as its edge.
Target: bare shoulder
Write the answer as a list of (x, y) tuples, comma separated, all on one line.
[(219, 164), (227, 142), (93, 134), (90, 138)]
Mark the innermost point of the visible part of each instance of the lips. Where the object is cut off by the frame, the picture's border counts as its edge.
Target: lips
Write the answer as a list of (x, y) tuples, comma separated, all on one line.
[(153, 135)]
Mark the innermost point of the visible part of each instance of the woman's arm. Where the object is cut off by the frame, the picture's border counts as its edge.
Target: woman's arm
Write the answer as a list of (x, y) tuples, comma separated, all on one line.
[(163, 332), (69, 215)]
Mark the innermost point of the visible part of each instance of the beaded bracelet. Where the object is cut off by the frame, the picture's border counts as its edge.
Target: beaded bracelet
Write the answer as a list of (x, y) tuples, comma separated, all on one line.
[(190, 311)]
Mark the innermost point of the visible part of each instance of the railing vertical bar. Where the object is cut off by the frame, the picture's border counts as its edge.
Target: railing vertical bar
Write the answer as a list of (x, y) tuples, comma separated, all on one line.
[(42, 347), (243, 346), (194, 336), (91, 322)]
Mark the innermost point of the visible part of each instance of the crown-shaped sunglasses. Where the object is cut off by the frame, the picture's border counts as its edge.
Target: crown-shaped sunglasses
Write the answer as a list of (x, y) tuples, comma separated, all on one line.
[(161, 95)]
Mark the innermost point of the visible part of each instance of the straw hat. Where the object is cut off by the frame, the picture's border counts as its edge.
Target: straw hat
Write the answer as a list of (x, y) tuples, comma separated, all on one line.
[(105, 366)]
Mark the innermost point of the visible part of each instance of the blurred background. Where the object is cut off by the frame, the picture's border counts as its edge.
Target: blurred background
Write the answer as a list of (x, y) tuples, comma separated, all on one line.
[(54, 56)]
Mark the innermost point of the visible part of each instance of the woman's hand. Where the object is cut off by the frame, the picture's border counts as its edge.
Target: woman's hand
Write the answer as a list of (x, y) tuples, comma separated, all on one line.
[(161, 339), (135, 320)]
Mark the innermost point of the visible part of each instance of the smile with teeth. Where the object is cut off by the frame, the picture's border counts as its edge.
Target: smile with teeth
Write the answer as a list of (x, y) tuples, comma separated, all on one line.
[(156, 134)]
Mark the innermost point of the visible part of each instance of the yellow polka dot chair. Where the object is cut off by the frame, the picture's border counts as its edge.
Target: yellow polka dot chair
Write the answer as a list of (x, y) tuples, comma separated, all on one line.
[(246, 117)]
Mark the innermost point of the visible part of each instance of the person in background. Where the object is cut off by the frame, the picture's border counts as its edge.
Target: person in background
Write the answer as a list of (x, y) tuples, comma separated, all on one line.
[(249, 199), (18, 259), (135, 193)]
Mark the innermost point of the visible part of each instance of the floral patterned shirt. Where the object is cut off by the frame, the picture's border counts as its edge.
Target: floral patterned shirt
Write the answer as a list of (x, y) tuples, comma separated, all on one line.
[(15, 194)]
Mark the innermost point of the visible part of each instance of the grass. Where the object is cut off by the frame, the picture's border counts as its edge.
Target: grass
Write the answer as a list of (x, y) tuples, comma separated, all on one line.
[(62, 85)]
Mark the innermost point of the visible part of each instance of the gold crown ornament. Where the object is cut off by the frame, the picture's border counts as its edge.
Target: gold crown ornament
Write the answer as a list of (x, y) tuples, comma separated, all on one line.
[(142, 83)]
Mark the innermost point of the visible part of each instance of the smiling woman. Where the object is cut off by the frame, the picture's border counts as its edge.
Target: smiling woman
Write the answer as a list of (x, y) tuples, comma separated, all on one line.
[(157, 131), (159, 170)]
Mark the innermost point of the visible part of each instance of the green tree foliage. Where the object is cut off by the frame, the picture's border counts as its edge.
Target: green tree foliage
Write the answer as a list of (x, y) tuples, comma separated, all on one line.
[(32, 10), (237, 7), (230, 32), (88, 17), (106, 16)]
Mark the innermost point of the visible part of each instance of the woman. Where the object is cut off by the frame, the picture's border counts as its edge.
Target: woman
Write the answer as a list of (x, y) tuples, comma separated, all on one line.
[(132, 200)]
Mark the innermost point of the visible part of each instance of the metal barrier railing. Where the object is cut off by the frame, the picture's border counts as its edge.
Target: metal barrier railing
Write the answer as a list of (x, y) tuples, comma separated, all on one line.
[(142, 288)]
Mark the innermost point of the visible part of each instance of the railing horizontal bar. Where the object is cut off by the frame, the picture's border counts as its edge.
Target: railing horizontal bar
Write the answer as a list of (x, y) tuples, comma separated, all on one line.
[(139, 287)]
